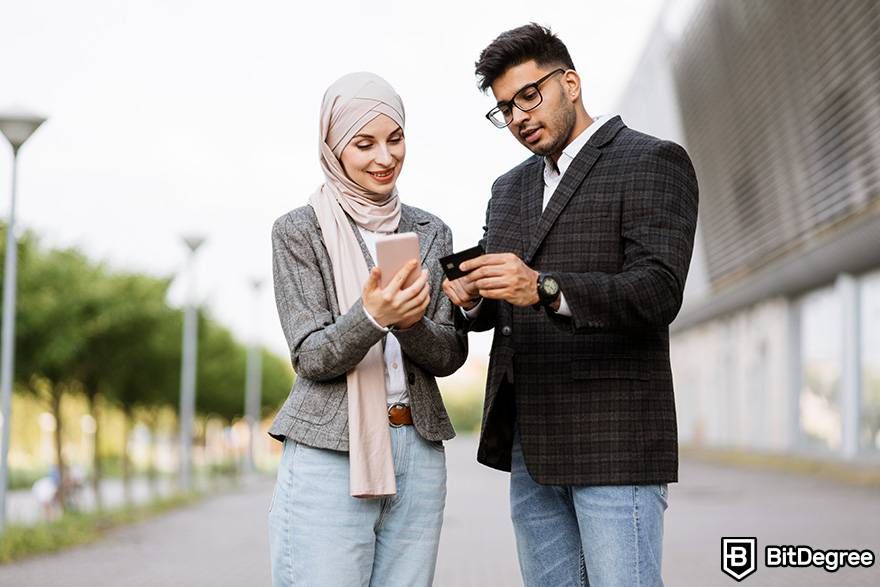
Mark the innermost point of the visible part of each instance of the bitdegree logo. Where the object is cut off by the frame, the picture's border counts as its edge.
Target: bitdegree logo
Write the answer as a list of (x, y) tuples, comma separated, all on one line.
[(739, 557), (806, 556)]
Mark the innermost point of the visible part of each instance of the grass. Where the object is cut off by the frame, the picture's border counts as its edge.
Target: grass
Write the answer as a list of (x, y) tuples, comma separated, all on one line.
[(24, 478), (74, 529), (858, 474)]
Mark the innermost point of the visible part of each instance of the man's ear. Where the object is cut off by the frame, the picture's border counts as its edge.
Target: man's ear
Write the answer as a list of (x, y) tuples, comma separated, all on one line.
[(571, 81)]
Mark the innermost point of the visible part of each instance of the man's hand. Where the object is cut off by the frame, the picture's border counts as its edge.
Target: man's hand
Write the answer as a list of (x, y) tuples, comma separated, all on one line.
[(462, 292), (395, 304), (503, 276)]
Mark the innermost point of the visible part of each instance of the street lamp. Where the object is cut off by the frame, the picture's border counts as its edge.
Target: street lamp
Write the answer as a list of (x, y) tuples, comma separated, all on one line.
[(188, 370), (253, 383), (17, 128)]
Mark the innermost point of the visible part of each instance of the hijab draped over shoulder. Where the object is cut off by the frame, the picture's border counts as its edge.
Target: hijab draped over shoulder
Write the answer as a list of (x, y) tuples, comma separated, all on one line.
[(349, 104)]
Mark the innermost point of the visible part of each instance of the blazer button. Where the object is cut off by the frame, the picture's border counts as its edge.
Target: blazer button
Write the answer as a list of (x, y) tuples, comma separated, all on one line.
[(506, 331), (411, 377)]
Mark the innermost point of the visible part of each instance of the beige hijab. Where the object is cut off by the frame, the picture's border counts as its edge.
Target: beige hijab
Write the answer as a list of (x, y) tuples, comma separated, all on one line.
[(349, 104)]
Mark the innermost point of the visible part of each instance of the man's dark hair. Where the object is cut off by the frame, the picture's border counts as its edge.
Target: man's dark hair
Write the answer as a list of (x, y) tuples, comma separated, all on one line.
[(516, 46)]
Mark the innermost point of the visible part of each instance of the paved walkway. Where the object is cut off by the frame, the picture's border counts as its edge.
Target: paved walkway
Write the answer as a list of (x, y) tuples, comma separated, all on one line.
[(222, 540)]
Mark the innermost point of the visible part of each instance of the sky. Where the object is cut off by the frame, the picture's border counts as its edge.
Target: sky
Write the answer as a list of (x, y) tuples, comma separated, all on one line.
[(194, 117)]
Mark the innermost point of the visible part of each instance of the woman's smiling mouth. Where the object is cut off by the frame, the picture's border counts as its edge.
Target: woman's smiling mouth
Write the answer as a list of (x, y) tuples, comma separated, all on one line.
[(382, 176)]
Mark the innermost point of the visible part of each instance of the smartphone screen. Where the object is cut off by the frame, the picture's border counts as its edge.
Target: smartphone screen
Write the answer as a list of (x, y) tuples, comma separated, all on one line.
[(393, 252)]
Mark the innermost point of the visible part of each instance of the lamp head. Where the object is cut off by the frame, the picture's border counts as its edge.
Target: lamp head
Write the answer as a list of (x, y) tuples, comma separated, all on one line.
[(193, 242), (18, 127)]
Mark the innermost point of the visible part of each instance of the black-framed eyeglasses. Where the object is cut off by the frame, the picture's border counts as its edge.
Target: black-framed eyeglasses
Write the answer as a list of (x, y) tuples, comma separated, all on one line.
[(527, 98)]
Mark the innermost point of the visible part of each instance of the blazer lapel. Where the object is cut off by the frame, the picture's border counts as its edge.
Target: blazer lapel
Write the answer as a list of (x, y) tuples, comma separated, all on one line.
[(573, 178), (360, 239), (410, 221), (532, 199)]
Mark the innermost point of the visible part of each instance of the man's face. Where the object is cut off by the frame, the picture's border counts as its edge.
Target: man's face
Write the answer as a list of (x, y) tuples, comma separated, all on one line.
[(546, 129)]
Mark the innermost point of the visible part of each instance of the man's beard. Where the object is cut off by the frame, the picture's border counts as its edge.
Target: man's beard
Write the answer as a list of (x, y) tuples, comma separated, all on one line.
[(565, 121)]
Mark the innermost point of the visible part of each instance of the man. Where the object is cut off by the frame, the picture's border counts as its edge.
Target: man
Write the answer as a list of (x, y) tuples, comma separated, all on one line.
[(588, 244)]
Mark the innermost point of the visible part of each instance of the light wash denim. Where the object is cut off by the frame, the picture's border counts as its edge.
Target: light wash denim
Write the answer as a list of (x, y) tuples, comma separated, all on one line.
[(601, 536), (321, 536)]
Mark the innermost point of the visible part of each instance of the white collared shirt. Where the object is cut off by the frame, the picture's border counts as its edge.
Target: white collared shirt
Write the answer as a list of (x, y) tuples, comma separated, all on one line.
[(395, 382), (553, 174)]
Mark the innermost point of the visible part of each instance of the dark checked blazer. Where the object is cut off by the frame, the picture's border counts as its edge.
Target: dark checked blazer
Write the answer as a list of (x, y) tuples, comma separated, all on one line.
[(591, 394)]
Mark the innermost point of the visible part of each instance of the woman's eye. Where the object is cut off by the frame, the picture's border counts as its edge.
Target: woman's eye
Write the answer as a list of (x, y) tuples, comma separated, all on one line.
[(364, 146), (396, 140)]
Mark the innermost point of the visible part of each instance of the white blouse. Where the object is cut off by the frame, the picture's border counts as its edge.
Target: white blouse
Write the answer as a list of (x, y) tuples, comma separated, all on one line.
[(395, 380)]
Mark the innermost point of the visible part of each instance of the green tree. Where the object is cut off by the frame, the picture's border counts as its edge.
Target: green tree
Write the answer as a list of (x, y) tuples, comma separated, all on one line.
[(220, 373), (129, 356), (53, 313), (82, 328), (276, 384)]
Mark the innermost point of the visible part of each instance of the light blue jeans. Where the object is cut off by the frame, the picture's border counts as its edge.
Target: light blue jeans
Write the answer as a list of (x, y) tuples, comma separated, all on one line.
[(601, 536), (321, 536)]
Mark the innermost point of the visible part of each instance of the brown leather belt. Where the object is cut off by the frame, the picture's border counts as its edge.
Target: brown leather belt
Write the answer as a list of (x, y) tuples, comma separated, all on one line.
[(399, 415)]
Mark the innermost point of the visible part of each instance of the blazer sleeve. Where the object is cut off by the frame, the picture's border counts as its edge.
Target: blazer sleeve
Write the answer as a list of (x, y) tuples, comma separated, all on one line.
[(658, 220), (321, 348), (433, 342)]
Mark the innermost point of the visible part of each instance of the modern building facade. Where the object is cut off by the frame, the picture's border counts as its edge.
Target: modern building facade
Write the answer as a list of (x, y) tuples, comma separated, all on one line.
[(777, 347)]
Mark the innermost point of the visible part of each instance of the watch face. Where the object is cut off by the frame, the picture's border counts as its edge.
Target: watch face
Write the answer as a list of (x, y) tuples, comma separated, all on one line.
[(550, 286)]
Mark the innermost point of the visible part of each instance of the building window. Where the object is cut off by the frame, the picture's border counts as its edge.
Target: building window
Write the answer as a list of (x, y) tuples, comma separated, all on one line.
[(869, 426), (820, 415)]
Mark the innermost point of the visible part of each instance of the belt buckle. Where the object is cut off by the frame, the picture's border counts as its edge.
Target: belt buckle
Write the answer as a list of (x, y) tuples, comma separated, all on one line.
[(391, 407)]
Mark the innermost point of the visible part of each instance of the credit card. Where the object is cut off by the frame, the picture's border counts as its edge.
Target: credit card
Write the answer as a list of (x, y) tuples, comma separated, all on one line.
[(450, 263)]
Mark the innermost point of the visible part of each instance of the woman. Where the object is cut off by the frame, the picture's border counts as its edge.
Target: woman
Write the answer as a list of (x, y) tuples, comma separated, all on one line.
[(362, 480)]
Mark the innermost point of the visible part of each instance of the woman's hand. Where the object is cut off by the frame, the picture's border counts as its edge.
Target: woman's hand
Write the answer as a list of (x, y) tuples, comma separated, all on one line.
[(393, 305)]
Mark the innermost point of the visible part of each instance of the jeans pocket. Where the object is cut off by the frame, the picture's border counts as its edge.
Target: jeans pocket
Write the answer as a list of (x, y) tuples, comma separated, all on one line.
[(663, 494), (274, 495), (284, 465)]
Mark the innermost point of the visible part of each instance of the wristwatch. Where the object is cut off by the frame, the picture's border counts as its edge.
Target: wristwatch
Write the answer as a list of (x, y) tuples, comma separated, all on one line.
[(548, 290)]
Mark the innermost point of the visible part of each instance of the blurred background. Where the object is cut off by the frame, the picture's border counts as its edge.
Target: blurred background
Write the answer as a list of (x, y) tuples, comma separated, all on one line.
[(153, 144)]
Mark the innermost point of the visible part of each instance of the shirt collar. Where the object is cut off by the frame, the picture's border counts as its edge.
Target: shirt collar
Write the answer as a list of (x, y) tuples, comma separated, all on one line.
[(570, 152)]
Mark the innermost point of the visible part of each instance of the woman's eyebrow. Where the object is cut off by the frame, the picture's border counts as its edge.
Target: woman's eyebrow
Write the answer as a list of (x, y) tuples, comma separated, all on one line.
[(366, 136)]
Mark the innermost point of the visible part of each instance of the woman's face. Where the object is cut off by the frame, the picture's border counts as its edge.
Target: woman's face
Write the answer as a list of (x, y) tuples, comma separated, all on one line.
[(374, 157)]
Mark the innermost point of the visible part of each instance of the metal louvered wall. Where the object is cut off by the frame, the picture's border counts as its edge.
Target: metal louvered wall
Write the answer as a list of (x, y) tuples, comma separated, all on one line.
[(780, 103)]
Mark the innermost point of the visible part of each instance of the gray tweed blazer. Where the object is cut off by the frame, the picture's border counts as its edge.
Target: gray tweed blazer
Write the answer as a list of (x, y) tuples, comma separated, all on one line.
[(325, 343)]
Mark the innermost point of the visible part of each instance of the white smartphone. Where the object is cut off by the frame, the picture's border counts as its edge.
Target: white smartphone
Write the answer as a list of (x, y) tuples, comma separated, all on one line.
[(393, 251)]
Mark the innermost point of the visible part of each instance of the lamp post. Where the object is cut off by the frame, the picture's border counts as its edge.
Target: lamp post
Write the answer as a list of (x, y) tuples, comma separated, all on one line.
[(17, 128), (253, 383), (188, 370)]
